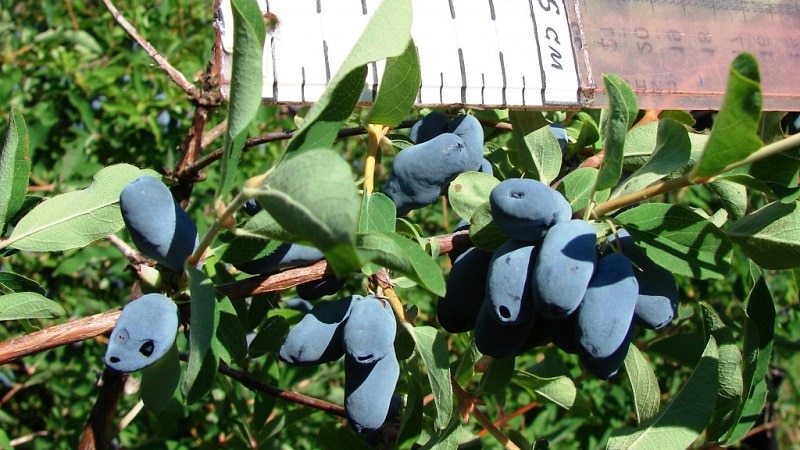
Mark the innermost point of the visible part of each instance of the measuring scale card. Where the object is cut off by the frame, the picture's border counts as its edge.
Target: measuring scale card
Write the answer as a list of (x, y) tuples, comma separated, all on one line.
[(543, 54)]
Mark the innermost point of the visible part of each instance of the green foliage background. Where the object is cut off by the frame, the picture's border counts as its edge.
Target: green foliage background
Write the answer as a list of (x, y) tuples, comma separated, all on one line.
[(92, 99)]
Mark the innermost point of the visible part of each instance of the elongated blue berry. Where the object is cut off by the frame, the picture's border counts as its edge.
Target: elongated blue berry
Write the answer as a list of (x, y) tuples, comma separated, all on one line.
[(525, 209), (317, 338), (144, 332), (159, 227), (370, 330), (564, 265), (508, 291), (606, 313)]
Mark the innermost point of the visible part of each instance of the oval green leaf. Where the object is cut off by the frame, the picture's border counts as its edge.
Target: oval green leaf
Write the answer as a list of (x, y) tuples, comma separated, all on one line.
[(735, 133), (770, 236), (15, 166), (313, 197), (249, 33), (432, 347), (204, 322), (679, 239), (646, 393), (29, 305), (468, 191), (404, 256), (76, 219), (682, 420)]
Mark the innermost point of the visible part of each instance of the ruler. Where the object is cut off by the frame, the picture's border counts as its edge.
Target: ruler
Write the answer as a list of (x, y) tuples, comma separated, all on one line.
[(538, 54)]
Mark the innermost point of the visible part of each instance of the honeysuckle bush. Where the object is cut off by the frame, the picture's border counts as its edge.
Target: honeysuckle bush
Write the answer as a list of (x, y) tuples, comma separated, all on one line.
[(716, 207)]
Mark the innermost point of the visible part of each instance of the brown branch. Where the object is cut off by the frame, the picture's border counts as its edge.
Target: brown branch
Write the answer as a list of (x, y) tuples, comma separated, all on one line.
[(261, 284), (96, 435), (291, 396), (56, 336), (160, 60), (275, 136), (88, 327), (507, 418)]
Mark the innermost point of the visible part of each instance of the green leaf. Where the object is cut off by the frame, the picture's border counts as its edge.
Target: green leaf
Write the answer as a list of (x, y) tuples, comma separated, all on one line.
[(404, 256), (78, 218), (646, 393), (734, 135), (621, 115), (333, 436), (730, 374), (732, 195), (759, 329), (160, 380), (202, 329), (249, 33), (679, 239), (679, 115), (83, 40), (770, 236), (497, 376), (387, 34), (682, 420), (264, 226), (672, 151), (398, 88), (558, 390), (378, 213), (482, 230), (748, 415), (759, 326), (538, 151), (761, 311), (683, 348), (270, 336), (779, 170), (313, 196), (577, 188), (640, 142), (432, 347), (29, 305), (588, 134), (11, 282), (15, 166), (235, 249), (230, 334), (468, 191)]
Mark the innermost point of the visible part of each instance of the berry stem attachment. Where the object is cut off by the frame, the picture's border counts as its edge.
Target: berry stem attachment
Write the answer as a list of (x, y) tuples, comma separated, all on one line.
[(480, 417), (376, 133), (385, 284), (216, 227)]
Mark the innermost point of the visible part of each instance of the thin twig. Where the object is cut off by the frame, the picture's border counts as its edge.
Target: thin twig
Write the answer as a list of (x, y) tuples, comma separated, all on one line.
[(213, 134), (207, 160), (291, 396), (505, 419), (486, 423), (27, 438), (137, 408), (160, 60), (762, 428), (129, 252)]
